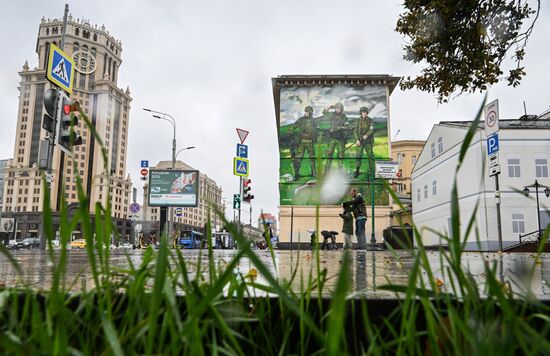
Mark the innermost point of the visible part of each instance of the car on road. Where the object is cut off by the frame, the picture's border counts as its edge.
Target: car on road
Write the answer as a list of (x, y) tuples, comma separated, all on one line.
[(28, 243), (78, 243)]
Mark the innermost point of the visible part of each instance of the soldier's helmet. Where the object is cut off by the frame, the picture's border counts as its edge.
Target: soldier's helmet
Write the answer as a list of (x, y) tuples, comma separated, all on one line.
[(364, 109), (339, 106), (309, 109)]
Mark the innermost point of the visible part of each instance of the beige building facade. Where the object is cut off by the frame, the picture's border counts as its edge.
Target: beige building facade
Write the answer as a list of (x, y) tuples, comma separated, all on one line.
[(405, 153), (98, 57), (210, 200)]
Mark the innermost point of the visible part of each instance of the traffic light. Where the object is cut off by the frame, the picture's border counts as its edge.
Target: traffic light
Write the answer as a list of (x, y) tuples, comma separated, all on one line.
[(66, 135), (247, 197), (50, 104), (236, 201)]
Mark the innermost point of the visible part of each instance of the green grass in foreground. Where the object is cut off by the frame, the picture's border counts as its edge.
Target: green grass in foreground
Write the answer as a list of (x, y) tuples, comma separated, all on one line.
[(140, 313)]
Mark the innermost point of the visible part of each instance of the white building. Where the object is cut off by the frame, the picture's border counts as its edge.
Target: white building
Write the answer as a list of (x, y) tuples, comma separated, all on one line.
[(524, 153)]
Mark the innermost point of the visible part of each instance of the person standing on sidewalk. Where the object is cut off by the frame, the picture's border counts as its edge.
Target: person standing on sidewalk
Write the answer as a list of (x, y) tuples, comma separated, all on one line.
[(347, 227), (360, 214)]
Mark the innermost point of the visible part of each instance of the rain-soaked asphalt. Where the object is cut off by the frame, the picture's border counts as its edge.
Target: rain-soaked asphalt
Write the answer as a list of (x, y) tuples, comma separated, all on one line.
[(369, 270)]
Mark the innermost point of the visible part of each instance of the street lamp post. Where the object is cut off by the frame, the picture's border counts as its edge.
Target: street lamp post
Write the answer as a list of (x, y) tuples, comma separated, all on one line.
[(537, 185), (170, 119)]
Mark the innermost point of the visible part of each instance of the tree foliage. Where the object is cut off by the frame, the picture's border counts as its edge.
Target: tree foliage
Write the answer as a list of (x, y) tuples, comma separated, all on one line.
[(463, 43)]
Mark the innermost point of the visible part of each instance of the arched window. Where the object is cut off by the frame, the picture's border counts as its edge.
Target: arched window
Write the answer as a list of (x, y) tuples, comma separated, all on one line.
[(75, 47), (109, 67), (85, 48), (95, 37), (47, 31), (77, 31), (93, 52), (114, 71)]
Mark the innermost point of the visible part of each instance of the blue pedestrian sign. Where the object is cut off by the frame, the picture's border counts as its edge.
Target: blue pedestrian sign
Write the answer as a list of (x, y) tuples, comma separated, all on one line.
[(241, 167), (144, 164), (60, 69), (242, 151), (492, 144)]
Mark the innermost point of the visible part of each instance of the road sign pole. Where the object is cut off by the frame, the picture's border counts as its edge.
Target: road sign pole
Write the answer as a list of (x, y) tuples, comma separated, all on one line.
[(240, 195), (499, 225), (51, 140)]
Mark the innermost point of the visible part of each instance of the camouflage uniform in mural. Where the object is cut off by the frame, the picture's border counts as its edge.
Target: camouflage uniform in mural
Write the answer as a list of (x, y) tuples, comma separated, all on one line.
[(305, 133), (337, 133), (364, 136)]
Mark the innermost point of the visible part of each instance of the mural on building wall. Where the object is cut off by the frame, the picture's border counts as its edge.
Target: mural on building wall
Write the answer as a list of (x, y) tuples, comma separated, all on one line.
[(333, 129)]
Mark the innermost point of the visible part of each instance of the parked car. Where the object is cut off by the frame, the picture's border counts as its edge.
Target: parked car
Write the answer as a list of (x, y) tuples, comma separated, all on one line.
[(29, 243), (78, 243)]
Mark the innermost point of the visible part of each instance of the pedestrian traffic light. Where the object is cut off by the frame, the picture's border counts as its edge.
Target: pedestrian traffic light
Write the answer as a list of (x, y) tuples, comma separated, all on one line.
[(66, 135), (50, 104), (236, 201), (247, 197)]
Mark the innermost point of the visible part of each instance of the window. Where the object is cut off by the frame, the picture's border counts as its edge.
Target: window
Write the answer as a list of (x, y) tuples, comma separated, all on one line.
[(414, 159), (518, 224), (433, 150), (426, 191), (541, 167), (400, 158), (513, 168), (434, 187), (440, 144)]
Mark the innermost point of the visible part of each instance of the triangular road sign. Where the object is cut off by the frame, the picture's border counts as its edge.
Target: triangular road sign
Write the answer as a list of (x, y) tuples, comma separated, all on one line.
[(242, 135), (61, 70)]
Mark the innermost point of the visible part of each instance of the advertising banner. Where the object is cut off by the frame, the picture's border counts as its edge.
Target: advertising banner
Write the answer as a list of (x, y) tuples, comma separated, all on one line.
[(335, 132), (173, 188), (7, 224)]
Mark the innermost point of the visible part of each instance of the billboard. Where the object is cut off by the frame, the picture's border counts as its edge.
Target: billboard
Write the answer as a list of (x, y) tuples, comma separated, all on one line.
[(177, 188), (7, 224), (329, 138)]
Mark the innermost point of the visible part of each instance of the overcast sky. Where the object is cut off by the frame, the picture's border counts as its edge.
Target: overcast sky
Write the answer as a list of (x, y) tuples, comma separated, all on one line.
[(210, 63)]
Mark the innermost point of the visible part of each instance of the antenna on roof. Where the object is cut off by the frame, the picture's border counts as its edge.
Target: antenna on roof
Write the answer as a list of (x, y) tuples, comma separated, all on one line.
[(524, 108), (397, 133)]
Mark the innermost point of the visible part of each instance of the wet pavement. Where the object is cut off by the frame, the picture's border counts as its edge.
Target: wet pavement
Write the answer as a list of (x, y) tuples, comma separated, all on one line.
[(369, 269)]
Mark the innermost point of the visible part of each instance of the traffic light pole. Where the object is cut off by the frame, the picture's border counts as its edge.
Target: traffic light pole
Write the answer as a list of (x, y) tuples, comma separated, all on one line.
[(52, 136), (241, 196)]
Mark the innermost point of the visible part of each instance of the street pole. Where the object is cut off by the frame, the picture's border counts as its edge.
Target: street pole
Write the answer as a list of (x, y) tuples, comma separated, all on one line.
[(51, 137), (499, 223), (538, 208), (240, 197)]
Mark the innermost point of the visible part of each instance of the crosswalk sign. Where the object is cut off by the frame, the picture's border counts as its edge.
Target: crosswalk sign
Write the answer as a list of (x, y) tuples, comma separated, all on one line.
[(241, 167), (60, 69)]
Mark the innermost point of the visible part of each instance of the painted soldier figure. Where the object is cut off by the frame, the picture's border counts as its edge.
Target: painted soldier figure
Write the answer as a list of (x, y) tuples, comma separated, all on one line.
[(337, 133), (305, 130), (364, 136)]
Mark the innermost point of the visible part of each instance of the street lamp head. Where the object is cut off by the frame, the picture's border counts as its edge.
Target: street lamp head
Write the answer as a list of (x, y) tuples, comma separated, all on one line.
[(145, 109), (526, 191), (547, 192), (189, 148), (157, 116)]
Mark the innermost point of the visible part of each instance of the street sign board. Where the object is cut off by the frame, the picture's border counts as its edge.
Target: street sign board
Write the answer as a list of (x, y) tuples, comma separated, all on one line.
[(144, 171), (175, 188), (493, 171), (134, 208), (242, 150), (178, 212), (144, 164), (236, 201), (491, 118), (241, 167), (242, 134), (387, 170), (60, 69), (492, 144)]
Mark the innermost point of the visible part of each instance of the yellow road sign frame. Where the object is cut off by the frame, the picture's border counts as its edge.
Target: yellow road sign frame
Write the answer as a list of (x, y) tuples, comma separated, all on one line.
[(53, 49), (237, 159)]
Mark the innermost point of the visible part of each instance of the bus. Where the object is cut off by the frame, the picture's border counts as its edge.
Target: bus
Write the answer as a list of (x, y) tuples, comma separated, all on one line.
[(189, 239)]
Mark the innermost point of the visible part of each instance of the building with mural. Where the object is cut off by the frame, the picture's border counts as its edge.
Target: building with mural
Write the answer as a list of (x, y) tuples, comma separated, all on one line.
[(331, 130)]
